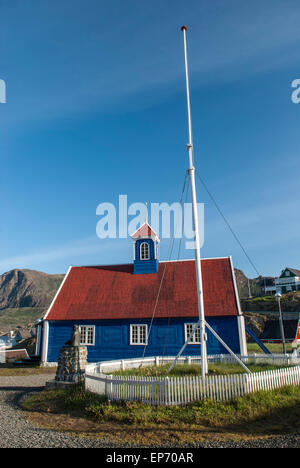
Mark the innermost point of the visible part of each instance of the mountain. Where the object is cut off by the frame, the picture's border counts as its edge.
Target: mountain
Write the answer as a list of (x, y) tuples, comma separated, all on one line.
[(27, 288), (247, 286)]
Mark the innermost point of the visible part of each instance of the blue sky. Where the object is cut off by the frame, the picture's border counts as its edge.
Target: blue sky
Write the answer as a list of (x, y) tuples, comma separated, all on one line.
[(96, 107)]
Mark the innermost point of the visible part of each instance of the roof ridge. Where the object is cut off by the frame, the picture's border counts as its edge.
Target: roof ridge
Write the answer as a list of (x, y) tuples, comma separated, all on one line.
[(160, 261)]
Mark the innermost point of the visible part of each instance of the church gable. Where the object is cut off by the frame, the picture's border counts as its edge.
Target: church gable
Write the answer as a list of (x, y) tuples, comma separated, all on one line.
[(289, 272)]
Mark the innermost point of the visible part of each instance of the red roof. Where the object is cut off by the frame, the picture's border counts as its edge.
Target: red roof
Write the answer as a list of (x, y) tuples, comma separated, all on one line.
[(114, 292), (144, 231)]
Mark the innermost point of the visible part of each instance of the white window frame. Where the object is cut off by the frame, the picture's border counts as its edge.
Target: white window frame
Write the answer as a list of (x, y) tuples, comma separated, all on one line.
[(87, 327), (148, 251), (188, 327), (139, 327), (156, 251)]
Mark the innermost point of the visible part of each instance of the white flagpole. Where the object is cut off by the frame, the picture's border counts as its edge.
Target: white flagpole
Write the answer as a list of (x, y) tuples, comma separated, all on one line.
[(191, 171)]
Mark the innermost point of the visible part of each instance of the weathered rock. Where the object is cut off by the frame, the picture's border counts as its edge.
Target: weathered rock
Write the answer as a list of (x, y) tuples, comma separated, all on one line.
[(256, 322), (27, 288), (71, 364)]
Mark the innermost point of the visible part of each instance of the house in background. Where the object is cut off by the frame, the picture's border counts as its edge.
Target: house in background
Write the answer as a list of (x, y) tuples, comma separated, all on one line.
[(267, 285), (145, 308), (8, 340), (24, 334), (289, 280)]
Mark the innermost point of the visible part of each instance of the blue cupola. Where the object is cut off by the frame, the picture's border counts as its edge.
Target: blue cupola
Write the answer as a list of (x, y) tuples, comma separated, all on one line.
[(146, 250)]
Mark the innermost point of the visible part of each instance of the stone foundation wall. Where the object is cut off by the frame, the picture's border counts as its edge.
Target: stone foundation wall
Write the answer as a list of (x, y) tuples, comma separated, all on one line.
[(71, 364)]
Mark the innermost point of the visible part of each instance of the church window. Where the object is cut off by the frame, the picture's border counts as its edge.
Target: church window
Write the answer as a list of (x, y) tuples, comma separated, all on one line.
[(144, 251), (87, 335), (138, 334), (195, 339)]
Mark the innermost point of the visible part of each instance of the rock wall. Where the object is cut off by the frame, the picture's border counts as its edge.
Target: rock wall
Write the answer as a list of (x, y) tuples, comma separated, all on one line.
[(71, 364)]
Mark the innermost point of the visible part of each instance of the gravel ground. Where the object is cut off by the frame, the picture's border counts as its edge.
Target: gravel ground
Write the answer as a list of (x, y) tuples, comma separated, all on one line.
[(16, 432)]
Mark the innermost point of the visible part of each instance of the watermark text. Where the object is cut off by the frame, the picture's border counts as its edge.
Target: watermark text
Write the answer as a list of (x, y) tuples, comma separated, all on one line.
[(295, 96), (167, 220), (2, 92)]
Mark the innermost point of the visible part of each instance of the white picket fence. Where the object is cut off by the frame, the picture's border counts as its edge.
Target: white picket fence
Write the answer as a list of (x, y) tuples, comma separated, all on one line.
[(183, 390), (255, 359)]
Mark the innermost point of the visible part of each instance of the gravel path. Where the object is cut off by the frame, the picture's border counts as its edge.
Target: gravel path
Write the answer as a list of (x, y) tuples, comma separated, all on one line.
[(16, 432)]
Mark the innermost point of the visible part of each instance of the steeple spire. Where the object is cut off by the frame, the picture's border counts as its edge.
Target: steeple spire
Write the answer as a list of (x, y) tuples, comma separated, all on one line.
[(146, 213), (146, 245)]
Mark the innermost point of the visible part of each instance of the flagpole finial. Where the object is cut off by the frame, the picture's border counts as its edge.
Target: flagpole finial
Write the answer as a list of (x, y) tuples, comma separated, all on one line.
[(184, 28)]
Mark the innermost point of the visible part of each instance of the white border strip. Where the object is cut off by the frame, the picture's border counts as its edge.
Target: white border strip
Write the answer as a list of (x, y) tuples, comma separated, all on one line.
[(45, 341), (242, 335), (237, 297), (240, 317)]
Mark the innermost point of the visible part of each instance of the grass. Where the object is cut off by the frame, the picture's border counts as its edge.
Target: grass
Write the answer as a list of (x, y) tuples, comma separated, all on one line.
[(181, 370), (261, 299), (257, 415), (20, 317), (275, 348), (7, 370), (75, 411)]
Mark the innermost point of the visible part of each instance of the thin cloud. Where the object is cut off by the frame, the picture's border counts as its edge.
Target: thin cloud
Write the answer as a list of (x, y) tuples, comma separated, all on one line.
[(81, 248)]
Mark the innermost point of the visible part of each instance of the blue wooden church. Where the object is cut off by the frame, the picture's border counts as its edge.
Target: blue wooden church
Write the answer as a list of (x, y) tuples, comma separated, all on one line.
[(121, 314)]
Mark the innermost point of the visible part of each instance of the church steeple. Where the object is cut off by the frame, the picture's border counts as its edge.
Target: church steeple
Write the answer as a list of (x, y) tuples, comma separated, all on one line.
[(146, 249)]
